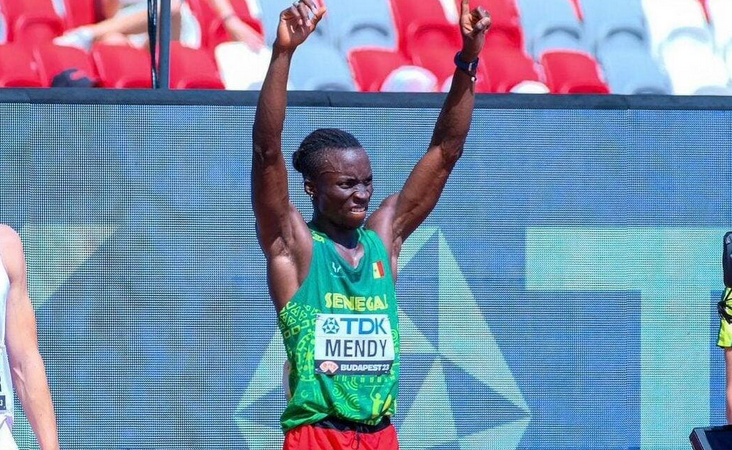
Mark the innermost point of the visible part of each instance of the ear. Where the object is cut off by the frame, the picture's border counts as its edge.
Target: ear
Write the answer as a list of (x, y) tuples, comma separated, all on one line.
[(310, 188)]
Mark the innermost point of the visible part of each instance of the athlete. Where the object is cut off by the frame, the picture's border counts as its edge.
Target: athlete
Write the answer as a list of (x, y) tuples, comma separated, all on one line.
[(724, 341), (332, 279), (21, 364)]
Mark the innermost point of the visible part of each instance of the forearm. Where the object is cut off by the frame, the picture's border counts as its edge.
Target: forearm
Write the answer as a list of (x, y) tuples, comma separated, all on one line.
[(31, 385), (453, 123), (270, 116), (223, 7)]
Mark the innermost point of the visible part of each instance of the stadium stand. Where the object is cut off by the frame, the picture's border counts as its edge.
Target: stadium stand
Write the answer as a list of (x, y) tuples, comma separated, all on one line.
[(570, 72), (31, 22), (371, 67), (361, 24), (631, 71), (17, 67), (192, 68), (550, 24), (122, 67), (619, 23), (52, 60), (596, 46)]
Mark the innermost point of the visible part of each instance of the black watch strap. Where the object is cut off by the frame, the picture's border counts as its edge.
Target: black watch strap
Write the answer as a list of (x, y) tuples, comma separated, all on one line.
[(471, 68)]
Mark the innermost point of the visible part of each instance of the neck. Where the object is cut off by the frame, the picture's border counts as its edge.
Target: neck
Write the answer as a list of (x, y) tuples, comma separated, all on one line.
[(342, 236)]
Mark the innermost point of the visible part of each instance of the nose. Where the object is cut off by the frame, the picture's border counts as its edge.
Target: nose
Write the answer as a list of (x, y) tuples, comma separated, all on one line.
[(362, 193)]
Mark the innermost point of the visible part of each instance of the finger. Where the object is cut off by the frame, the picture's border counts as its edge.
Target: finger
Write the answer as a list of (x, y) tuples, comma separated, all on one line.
[(319, 15), (311, 5), (304, 13), (465, 7), (482, 26), (295, 13)]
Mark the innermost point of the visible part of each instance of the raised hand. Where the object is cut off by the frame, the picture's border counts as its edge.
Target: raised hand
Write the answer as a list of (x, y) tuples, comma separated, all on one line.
[(297, 23), (473, 26)]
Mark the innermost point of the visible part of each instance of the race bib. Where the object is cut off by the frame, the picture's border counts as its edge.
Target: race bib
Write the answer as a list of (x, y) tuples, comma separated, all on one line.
[(353, 344)]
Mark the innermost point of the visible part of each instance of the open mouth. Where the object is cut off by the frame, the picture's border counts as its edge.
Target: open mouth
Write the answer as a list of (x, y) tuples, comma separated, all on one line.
[(359, 209)]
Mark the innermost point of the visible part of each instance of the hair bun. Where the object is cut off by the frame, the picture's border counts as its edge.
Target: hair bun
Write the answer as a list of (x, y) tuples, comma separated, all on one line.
[(297, 159)]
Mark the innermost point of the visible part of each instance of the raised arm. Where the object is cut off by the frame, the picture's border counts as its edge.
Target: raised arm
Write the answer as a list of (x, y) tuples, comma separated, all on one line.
[(401, 214), (26, 365), (281, 230), (237, 28)]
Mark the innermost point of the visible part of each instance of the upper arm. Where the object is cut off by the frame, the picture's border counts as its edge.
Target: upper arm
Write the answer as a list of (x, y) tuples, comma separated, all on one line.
[(20, 321), (421, 191)]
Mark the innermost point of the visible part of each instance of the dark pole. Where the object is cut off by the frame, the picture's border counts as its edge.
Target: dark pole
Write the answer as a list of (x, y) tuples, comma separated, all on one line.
[(152, 35), (164, 79)]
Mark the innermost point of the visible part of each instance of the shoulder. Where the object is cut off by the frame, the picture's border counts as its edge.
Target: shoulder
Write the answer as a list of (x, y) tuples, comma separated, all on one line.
[(9, 239), (11, 248)]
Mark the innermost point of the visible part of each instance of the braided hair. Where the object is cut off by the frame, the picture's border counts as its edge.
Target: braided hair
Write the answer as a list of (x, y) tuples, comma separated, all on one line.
[(311, 154)]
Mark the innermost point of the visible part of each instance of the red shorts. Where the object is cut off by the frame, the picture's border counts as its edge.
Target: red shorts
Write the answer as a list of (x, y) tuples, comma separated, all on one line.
[(324, 436)]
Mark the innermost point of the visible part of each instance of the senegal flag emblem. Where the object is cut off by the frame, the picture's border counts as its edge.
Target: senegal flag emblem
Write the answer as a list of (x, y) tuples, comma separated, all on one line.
[(378, 270)]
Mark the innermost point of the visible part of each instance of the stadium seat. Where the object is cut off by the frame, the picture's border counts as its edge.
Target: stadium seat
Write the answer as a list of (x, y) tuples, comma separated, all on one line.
[(370, 67), (504, 69), (631, 71), (121, 66), (361, 24), (80, 12), (213, 31), (433, 46), (693, 67), (606, 21), (505, 22), (54, 59), (192, 68), (31, 21), (573, 73), (17, 68), (667, 18), (410, 15), (720, 15), (317, 66), (543, 18), (555, 42)]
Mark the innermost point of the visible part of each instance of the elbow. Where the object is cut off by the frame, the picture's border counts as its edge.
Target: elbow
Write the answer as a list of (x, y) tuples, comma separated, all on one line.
[(452, 152)]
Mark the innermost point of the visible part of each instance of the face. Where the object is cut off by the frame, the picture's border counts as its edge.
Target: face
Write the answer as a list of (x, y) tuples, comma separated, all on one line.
[(342, 190)]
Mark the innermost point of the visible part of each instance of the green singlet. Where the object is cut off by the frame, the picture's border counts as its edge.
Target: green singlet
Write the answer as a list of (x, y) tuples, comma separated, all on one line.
[(341, 335)]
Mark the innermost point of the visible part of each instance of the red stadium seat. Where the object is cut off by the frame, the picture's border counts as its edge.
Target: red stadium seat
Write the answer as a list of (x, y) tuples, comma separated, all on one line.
[(54, 59), (370, 67), (213, 32), (505, 22), (572, 72), (121, 66), (31, 22), (433, 46), (192, 69), (17, 68), (503, 69), (411, 13), (81, 12)]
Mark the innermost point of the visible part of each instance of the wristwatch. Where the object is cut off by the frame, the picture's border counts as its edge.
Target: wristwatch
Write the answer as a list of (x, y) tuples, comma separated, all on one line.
[(471, 68)]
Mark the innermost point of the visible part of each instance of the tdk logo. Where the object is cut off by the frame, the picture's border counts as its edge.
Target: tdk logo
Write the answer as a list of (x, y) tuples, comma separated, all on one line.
[(364, 325), (330, 326)]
